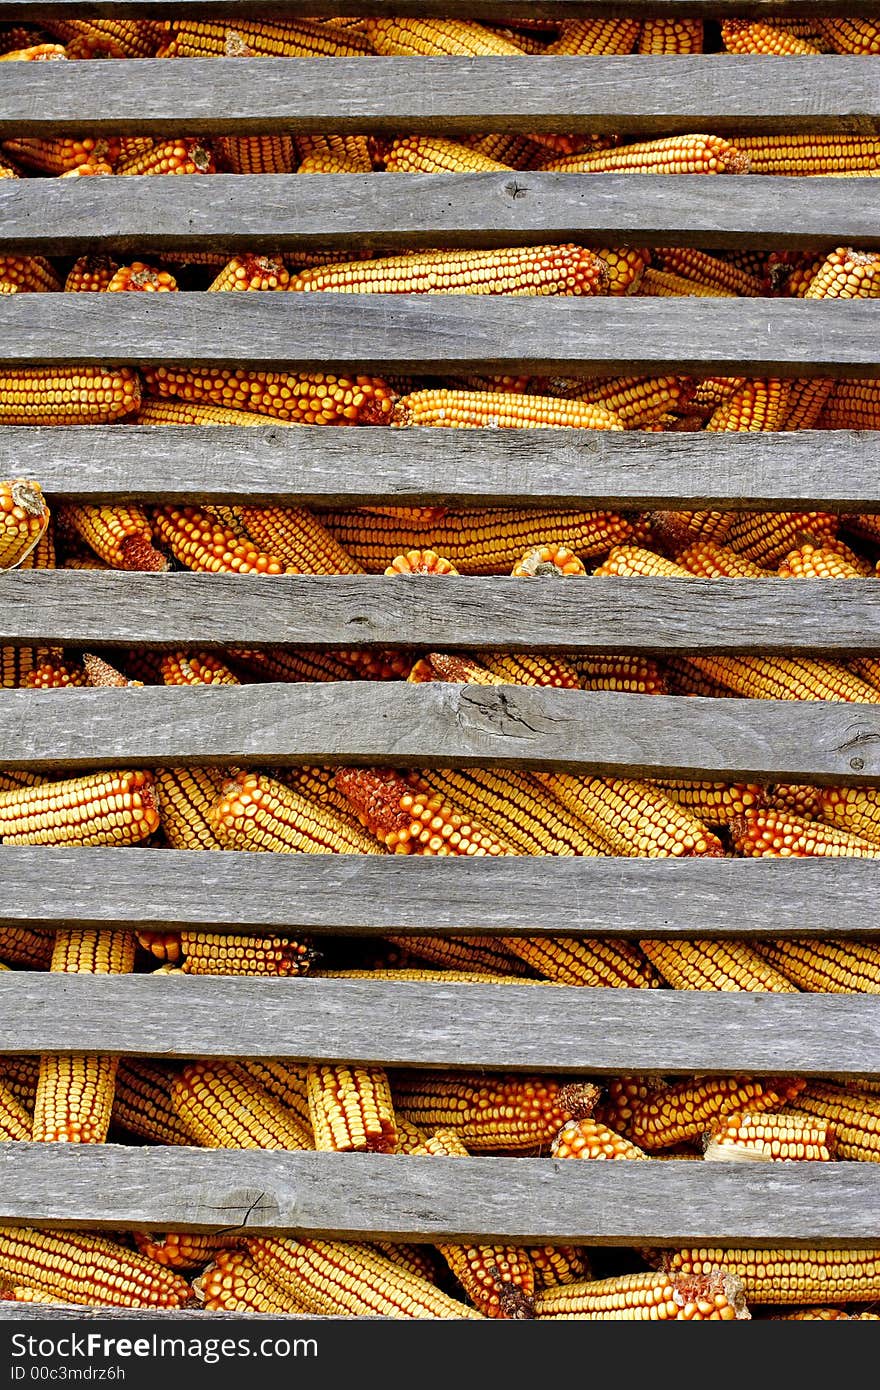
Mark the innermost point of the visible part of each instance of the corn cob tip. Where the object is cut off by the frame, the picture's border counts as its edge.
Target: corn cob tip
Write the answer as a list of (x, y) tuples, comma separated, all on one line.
[(512, 1302), (28, 495), (579, 1099)]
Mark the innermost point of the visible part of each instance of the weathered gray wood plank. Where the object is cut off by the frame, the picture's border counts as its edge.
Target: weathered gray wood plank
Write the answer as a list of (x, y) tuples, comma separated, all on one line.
[(368, 215), (720, 93), (784, 616), (562, 1029), (803, 471), (350, 1197), (499, 11), (441, 334), (392, 723), (360, 895)]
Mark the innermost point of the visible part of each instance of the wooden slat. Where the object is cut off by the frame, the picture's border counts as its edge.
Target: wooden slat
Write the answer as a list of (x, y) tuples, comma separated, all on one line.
[(783, 616), (400, 725), (403, 211), (440, 334), (361, 895), (382, 1196), (836, 470), (497, 11), (563, 1029), (720, 93)]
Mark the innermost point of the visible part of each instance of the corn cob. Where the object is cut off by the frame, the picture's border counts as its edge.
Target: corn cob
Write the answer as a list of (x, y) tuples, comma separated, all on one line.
[(637, 400), (590, 1138), (789, 277), (435, 38), (636, 674), (806, 401), (523, 270), (198, 541), (525, 668), (248, 272), (715, 965), (469, 953), (182, 1249), (592, 37), (748, 36), (141, 278), (304, 400), (498, 410), (758, 405), (303, 39), (744, 1137), (788, 1276), (16, 664), (67, 395), (686, 1109), (770, 834), (847, 274), (298, 538), (23, 947), (420, 562), (29, 274), (333, 154), (195, 668), (475, 541), (226, 954), (709, 560), (90, 274), (351, 1109), (855, 1119), (810, 154), (677, 154), (713, 802), (418, 154), (558, 1264), (515, 807), (779, 678), (816, 562), (24, 517), (341, 1279), (57, 156), (121, 536), (715, 1295), (88, 170), (671, 36), (104, 808), (621, 1097), (142, 1102), (255, 812), (171, 412), (127, 38), (78, 1267), (417, 1259), (515, 1113), (224, 1107), (633, 817), (794, 796), (19, 36), (411, 975), (186, 796), (414, 822), (709, 270), (185, 156), (585, 961), (851, 35), (824, 1315), (256, 154), (667, 285), (232, 1283), (15, 1122), (852, 808)]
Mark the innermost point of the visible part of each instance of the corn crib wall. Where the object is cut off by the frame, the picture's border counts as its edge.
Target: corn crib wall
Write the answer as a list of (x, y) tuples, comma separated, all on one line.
[(557, 1029)]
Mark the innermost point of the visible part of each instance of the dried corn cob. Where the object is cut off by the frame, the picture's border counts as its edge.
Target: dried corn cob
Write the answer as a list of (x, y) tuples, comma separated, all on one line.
[(637, 400), (788, 1276), (68, 395), (141, 278), (121, 536), (420, 562), (23, 947), (709, 270), (855, 1118), (470, 953), (28, 274), (435, 38), (589, 1138), (667, 285), (171, 412), (78, 1267), (124, 38), (303, 39), (15, 1122), (713, 802), (182, 1249), (256, 154), (58, 156), (90, 274), (304, 400), (716, 1295), (715, 965), (744, 1137), (299, 538), (205, 953), (351, 1109), (518, 270), (636, 674), (248, 272), (677, 154), (333, 154), (752, 36), (686, 1109), (816, 562), (514, 1113), (142, 1102), (24, 517), (255, 812), (186, 796), (633, 817), (850, 35), (591, 37), (418, 154), (232, 1283), (224, 1107), (516, 807), (198, 541), (498, 410), (758, 405), (185, 156), (778, 678), (413, 822), (847, 274), (585, 961), (810, 154), (671, 36), (558, 1264), (103, 808), (770, 834)]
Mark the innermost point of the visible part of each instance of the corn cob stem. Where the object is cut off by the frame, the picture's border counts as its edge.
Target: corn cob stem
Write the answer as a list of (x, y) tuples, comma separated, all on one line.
[(716, 1295)]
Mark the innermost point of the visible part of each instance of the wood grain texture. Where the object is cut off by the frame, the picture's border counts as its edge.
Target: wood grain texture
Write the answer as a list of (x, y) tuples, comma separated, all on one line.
[(784, 616), (361, 895), (561, 1029), (499, 11), (720, 93), (398, 211), (390, 1196), (443, 333), (834, 470), (394, 724)]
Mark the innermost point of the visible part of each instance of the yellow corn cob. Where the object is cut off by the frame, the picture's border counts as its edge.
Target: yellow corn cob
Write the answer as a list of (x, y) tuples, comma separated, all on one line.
[(715, 965), (24, 517), (420, 562), (633, 561), (224, 1107), (414, 976), (21, 946), (750, 36), (298, 538), (195, 668), (671, 36), (303, 39), (78, 1267), (256, 154), (517, 270), (186, 796), (745, 1137), (636, 674), (806, 399), (304, 400), (419, 154), (170, 412), (589, 1138), (142, 1102), (621, 1097), (824, 1315), (779, 678), (676, 154), (633, 817), (181, 156), (182, 1249), (16, 664), (198, 541), (351, 1109), (516, 807), (15, 1122), (788, 1276), (498, 410), (515, 1113), (28, 273), (232, 1283), (770, 834), (341, 1279), (625, 266), (469, 953), (791, 278), (435, 38), (526, 668), (476, 541), (141, 278), (226, 954), (334, 154), (121, 536), (709, 560), (758, 405), (90, 274), (408, 821), (716, 1295), (713, 802), (855, 1119), (847, 274), (816, 562), (852, 808), (255, 812), (590, 37), (123, 38), (852, 405), (794, 796), (810, 154), (667, 285), (248, 272), (57, 156), (851, 35), (67, 395), (104, 808), (686, 1109), (585, 961), (638, 400), (709, 270), (558, 1264)]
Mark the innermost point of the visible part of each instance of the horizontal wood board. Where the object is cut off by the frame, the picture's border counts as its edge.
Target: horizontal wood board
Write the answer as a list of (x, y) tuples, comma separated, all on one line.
[(393, 723), (663, 616), (562, 1029), (803, 471), (499, 11), (403, 211), (361, 895), (723, 93), (342, 333), (397, 1197)]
